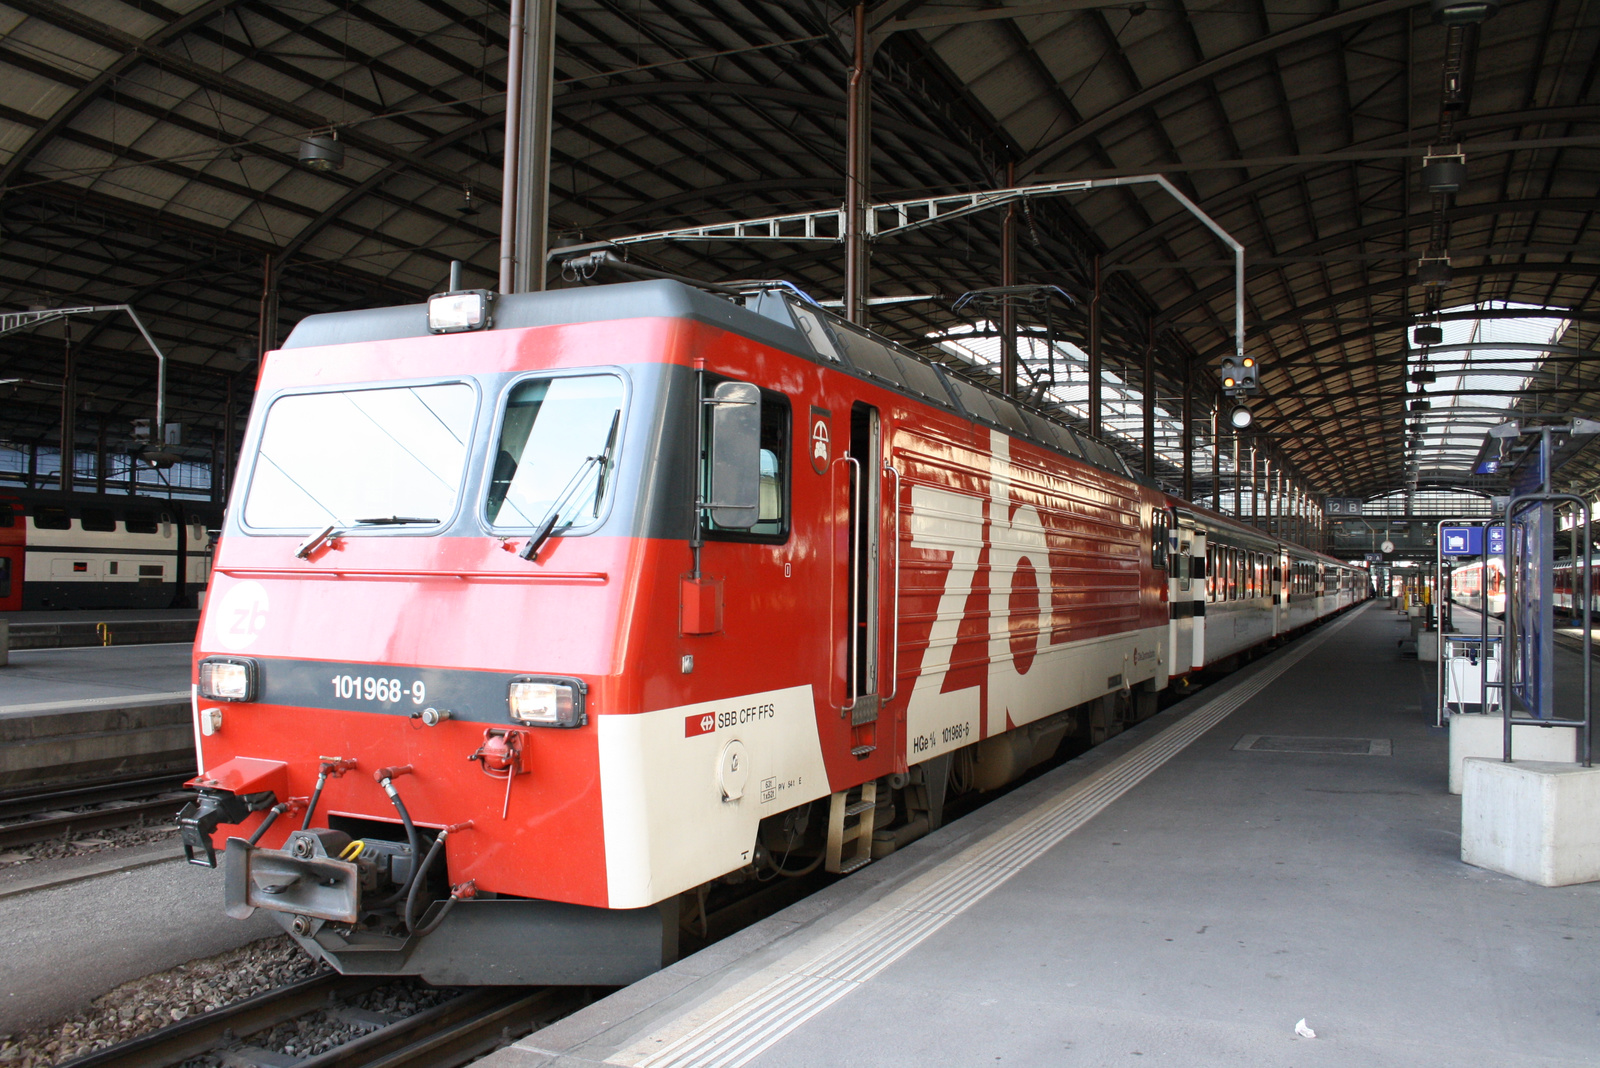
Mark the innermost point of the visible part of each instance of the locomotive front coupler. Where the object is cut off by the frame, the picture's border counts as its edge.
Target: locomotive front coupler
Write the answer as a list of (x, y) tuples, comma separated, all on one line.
[(200, 818)]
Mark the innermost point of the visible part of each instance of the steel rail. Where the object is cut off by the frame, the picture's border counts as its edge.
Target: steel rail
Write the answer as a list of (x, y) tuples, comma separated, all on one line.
[(18, 804), (106, 819), (41, 828), (445, 1036), (456, 1032), (200, 1034)]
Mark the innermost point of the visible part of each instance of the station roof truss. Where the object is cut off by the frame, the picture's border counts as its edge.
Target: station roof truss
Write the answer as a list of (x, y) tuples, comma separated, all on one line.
[(149, 157)]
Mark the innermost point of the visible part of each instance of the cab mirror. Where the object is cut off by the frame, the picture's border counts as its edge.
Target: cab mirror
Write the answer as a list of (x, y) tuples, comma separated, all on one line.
[(734, 496)]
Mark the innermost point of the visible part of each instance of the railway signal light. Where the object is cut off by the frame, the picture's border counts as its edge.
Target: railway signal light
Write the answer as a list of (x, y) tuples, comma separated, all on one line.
[(1238, 376)]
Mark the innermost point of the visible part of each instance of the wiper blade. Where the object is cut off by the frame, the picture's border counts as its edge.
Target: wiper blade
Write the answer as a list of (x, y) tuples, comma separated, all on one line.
[(394, 520), (607, 458), (547, 522)]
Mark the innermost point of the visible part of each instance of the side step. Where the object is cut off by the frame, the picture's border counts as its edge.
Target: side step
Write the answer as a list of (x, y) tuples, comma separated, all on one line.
[(850, 819)]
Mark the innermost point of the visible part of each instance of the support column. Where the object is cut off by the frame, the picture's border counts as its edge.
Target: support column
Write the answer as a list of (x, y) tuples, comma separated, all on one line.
[(525, 183), (266, 327), (1150, 403), (1238, 481), (857, 173), (69, 415), (1008, 277), (1188, 431), (1255, 496), (100, 455), (1216, 465), (1094, 353), (1267, 478), (227, 443), (1277, 525)]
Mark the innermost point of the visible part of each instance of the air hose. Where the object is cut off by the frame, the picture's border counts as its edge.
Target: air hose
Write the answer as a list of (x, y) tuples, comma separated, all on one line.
[(384, 775)]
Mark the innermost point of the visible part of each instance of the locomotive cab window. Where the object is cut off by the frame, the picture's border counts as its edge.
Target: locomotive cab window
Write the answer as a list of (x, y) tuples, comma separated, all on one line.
[(772, 521), (1160, 526), (368, 459), (557, 452)]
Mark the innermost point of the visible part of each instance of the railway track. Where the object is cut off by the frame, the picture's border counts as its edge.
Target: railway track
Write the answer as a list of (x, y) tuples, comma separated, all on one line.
[(453, 1033), (105, 805)]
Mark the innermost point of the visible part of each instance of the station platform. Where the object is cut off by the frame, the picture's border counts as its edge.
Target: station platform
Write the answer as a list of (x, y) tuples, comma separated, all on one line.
[(77, 713), (1279, 846), (117, 626)]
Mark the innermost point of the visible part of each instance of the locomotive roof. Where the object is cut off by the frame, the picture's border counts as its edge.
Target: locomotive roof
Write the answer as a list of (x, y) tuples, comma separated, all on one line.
[(768, 317)]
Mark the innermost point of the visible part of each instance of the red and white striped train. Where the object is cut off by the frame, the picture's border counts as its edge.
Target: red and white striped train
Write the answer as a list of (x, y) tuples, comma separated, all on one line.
[(523, 629)]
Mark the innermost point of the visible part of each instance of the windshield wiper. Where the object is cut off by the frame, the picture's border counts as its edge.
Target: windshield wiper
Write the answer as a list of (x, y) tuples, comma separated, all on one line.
[(607, 458), (394, 521), (547, 522)]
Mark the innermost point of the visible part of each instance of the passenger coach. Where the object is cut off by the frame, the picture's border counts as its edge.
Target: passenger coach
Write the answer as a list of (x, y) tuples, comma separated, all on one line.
[(85, 550), (534, 613)]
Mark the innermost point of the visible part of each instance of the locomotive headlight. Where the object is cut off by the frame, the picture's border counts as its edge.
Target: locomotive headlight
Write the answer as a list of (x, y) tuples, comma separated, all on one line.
[(227, 679), (547, 702), (450, 313)]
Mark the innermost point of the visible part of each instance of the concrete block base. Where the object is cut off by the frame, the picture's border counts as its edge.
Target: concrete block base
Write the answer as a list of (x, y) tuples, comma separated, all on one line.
[(1428, 646), (1482, 736), (1532, 819)]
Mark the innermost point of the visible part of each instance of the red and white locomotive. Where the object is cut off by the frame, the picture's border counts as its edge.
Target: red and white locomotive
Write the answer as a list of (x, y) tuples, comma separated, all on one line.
[(534, 612)]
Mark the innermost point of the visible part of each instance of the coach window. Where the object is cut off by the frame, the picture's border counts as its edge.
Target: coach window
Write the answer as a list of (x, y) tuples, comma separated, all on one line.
[(140, 523), (52, 517), (1158, 539), (98, 519), (772, 523)]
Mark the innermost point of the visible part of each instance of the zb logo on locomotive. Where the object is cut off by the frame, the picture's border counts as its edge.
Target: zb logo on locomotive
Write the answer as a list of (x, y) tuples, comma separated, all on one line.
[(707, 722)]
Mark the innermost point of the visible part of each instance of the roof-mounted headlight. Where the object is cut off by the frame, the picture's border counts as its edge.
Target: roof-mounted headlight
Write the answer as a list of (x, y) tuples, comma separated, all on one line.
[(228, 678), (451, 313), (540, 701)]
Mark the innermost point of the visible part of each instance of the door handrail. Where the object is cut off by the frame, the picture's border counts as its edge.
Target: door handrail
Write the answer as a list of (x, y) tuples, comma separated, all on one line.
[(855, 554), (894, 631)]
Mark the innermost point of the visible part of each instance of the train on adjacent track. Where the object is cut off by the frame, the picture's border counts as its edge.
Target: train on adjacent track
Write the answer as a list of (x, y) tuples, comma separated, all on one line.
[(536, 614), (68, 550), (1566, 587)]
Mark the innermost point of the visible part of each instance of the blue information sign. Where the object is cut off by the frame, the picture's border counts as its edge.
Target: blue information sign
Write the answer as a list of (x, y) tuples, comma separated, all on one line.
[(1497, 541), (1460, 541)]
